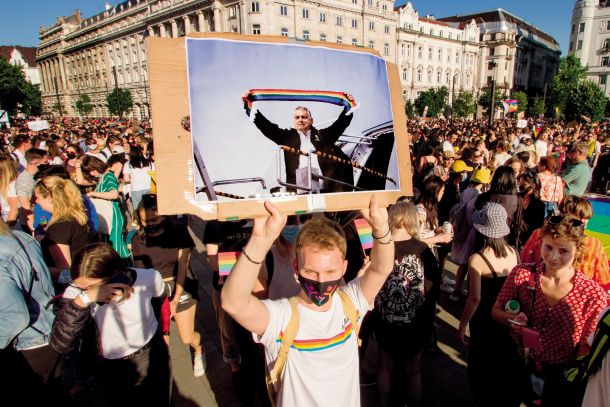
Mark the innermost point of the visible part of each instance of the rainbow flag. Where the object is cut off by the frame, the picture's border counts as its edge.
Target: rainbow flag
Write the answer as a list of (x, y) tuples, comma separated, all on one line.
[(365, 233), (510, 105), (599, 225), (324, 96), (226, 261)]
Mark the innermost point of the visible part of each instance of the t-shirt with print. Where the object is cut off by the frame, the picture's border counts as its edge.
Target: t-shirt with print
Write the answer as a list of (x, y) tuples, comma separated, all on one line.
[(403, 292), (322, 368), (230, 237), (129, 325)]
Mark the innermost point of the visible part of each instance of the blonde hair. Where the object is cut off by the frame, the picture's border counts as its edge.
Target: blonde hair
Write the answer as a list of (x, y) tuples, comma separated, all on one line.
[(67, 199), (322, 233), (8, 173), (403, 215)]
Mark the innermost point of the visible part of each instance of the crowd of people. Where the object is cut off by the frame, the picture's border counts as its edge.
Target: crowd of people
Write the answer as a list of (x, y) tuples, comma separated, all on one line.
[(92, 273)]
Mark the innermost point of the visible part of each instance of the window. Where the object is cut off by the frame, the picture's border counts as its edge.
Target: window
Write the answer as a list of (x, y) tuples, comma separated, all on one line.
[(354, 23), (419, 73), (448, 56), (450, 35), (431, 31), (384, 7), (419, 52), (607, 26), (256, 29), (355, 1), (490, 65), (322, 17), (386, 49), (571, 46), (429, 53), (457, 57), (579, 45), (402, 50), (372, 25), (371, 44), (440, 34), (489, 79), (408, 50), (254, 7), (603, 79), (606, 43), (404, 74), (354, 41), (283, 10), (323, 37), (440, 54), (386, 29), (574, 27), (339, 21), (306, 35), (605, 61), (306, 13), (430, 75), (581, 28), (339, 39), (370, 3), (492, 51), (284, 32)]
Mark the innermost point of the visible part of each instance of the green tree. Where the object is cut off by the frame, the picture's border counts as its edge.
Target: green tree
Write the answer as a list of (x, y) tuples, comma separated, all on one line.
[(464, 104), (435, 99), (565, 82), (83, 105), (587, 99), (537, 107), (409, 109), (32, 104), (119, 102), (520, 97), (485, 98), (12, 83), (59, 108)]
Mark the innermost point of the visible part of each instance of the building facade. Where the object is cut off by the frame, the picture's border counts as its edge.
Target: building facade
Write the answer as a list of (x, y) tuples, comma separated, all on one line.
[(25, 57), (91, 56), (516, 54), (590, 39), (432, 54)]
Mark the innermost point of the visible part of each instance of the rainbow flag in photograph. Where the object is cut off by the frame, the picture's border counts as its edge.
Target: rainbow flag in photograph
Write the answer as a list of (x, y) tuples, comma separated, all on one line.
[(297, 95), (510, 105), (226, 261), (365, 233)]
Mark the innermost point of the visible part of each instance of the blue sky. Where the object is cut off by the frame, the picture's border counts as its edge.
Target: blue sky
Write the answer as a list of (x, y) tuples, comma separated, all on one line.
[(22, 19)]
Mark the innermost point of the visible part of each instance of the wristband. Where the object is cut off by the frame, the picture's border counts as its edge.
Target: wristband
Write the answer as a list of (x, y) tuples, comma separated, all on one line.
[(381, 237), (249, 258), (84, 298)]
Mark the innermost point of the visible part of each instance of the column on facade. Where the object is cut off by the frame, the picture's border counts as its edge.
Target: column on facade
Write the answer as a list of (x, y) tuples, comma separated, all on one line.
[(162, 30), (62, 72), (174, 28), (200, 21), (151, 31), (217, 20), (187, 24), (45, 76)]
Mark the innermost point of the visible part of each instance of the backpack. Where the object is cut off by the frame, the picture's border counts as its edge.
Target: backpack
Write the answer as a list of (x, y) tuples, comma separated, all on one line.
[(273, 377)]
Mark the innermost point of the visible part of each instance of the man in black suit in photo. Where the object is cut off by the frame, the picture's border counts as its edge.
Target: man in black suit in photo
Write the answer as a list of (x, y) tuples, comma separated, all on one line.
[(307, 138)]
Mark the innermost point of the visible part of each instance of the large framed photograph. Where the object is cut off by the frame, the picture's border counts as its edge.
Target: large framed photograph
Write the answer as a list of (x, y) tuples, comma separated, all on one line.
[(312, 127)]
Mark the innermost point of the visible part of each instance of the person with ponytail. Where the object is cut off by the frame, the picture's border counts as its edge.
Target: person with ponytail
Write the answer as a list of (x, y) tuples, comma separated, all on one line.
[(67, 231)]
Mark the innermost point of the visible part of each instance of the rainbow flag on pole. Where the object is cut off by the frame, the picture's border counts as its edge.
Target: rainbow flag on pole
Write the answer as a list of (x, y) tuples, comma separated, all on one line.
[(365, 233), (226, 262), (297, 95), (510, 105)]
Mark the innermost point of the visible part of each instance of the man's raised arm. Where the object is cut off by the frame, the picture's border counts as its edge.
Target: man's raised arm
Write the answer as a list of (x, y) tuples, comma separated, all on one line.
[(237, 298), (382, 253)]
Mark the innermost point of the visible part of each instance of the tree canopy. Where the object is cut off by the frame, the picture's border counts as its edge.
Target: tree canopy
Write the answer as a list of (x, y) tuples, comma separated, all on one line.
[(83, 105), (16, 93), (464, 104), (119, 102), (435, 99), (565, 82)]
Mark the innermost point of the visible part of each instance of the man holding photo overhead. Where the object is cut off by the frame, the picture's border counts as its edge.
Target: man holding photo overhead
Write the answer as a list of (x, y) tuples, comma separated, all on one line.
[(311, 339), (306, 138)]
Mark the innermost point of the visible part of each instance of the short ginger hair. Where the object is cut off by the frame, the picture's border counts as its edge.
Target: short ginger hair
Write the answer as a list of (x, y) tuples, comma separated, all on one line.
[(322, 233)]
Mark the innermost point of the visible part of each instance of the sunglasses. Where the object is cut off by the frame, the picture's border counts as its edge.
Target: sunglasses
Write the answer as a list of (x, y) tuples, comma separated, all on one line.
[(43, 186), (557, 220)]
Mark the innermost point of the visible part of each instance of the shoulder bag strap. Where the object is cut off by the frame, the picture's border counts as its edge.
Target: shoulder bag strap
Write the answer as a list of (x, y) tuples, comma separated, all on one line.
[(533, 301), (287, 340), (350, 311)]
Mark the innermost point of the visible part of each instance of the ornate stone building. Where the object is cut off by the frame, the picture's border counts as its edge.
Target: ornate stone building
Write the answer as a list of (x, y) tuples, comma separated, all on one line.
[(432, 53), (590, 39), (24, 57), (518, 55), (90, 56)]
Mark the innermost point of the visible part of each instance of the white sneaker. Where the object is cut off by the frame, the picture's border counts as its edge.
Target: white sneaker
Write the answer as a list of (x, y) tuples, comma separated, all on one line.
[(199, 365), (447, 288)]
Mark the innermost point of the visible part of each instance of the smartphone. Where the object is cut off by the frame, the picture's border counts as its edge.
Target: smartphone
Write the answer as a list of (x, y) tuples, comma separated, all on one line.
[(517, 322), (531, 338), (125, 276)]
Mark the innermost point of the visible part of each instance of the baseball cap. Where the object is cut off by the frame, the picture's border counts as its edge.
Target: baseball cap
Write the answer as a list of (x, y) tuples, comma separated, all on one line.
[(482, 175), (460, 166), (490, 220), (448, 154)]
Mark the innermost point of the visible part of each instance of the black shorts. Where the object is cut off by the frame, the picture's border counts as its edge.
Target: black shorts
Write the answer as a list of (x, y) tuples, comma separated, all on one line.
[(189, 296), (400, 341)]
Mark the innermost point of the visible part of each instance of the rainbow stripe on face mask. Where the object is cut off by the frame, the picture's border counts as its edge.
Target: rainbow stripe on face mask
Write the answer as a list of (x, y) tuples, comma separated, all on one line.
[(297, 95)]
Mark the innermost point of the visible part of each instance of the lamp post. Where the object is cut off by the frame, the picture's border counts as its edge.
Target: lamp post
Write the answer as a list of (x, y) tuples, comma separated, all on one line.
[(493, 95), (453, 94)]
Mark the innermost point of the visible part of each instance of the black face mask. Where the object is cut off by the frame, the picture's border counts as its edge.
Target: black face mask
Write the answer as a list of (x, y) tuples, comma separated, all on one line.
[(319, 292), (153, 228), (70, 155)]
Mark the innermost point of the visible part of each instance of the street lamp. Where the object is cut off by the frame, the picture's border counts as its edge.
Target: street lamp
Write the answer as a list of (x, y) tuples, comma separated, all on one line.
[(453, 94), (493, 94)]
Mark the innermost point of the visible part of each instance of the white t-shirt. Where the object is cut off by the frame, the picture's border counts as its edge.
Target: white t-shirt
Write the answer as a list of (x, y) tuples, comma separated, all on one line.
[(139, 178), (500, 159), (124, 328), (541, 148), (4, 205), (322, 367), (447, 146)]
